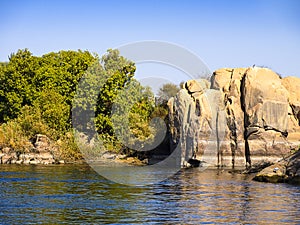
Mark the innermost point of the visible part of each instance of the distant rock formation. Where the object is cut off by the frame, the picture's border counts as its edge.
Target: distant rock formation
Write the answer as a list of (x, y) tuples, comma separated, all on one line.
[(242, 116)]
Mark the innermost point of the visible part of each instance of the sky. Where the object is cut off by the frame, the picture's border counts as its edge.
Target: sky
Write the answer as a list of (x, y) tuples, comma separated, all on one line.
[(221, 33)]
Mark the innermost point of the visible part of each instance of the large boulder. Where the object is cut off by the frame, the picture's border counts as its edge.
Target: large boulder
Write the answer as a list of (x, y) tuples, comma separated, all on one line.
[(265, 103), (194, 113), (228, 81), (245, 116), (292, 84)]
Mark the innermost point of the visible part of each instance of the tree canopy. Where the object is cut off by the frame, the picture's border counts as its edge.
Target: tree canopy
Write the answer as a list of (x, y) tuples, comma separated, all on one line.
[(167, 91), (37, 95)]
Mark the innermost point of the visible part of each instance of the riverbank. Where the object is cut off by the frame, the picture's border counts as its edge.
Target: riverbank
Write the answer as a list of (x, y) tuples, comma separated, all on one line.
[(42, 151)]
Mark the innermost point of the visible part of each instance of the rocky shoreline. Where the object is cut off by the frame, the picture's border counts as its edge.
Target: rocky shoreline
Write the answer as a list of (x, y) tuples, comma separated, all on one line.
[(40, 151), (286, 170), (43, 152), (242, 117)]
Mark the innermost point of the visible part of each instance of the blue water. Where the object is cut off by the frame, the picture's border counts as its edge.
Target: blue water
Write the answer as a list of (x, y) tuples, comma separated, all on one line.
[(75, 194)]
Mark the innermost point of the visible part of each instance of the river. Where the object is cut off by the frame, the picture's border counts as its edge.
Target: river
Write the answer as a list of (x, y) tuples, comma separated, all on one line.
[(75, 194)]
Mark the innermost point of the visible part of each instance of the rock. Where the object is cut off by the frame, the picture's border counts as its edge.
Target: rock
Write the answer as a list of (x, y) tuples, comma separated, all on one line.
[(293, 168), (19, 161), (6, 150), (41, 143), (40, 151), (265, 103), (8, 158), (286, 170), (257, 167), (292, 84), (229, 82), (247, 116), (33, 162), (197, 85), (61, 162), (273, 174), (108, 155), (193, 124)]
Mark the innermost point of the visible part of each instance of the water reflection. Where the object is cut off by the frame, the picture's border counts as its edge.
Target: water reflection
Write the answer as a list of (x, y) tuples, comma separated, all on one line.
[(75, 194)]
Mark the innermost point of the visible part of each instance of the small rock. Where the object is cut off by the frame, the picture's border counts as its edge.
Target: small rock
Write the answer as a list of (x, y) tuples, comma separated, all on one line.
[(121, 156), (26, 161), (6, 150), (6, 159), (33, 162), (19, 161), (272, 174)]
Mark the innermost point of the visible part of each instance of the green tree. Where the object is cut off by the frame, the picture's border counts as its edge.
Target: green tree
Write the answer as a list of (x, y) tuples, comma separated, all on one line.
[(119, 72), (167, 91), (25, 76), (17, 88), (37, 96)]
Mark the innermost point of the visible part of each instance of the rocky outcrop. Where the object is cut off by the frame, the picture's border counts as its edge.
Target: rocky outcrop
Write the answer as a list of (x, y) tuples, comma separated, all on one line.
[(286, 170), (41, 151), (242, 117), (292, 84)]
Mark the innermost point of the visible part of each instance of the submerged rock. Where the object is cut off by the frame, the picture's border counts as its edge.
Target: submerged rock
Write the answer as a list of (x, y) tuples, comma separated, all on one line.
[(286, 170)]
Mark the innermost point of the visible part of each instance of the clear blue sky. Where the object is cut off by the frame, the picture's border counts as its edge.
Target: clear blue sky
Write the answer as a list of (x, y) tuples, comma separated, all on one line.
[(222, 33)]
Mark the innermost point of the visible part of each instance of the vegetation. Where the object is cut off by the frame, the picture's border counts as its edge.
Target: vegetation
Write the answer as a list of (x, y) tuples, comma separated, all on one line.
[(37, 97), (168, 90)]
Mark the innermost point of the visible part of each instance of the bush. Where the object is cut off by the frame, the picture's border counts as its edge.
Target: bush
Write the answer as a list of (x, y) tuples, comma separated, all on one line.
[(12, 136)]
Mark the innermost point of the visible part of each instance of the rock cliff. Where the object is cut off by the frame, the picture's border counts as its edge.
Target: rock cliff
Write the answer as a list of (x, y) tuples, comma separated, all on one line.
[(242, 116)]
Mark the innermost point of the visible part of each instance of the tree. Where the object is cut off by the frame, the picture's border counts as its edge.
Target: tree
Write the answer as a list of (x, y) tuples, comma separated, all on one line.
[(167, 91), (118, 71), (37, 94), (17, 88), (25, 76)]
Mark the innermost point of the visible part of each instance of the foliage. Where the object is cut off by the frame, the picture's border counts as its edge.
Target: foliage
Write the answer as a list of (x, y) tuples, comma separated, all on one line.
[(68, 147), (119, 72), (131, 115), (167, 91), (37, 97), (25, 76), (12, 136)]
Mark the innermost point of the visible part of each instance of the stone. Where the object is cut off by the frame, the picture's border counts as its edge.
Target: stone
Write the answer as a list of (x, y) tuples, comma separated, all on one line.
[(197, 85), (228, 81), (292, 84), (19, 161), (41, 143), (33, 162), (265, 103), (273, 174), (265, 100), (293, 168), (6, 159), (285, 170), (6, 150), (193, 124), (246, 116)]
